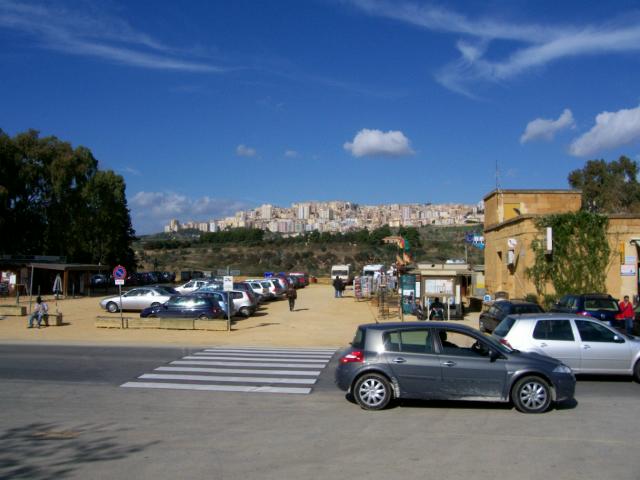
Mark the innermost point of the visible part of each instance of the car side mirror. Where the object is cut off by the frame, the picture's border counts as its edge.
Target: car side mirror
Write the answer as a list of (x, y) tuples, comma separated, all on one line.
[(618, 339), (493, 355)]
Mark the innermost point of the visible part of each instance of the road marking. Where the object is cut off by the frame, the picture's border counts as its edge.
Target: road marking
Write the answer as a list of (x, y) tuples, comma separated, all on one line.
[(252, 359), (266, 354), (310, 373), (217, 388), (224, 378), (247, 364), (250, 370)]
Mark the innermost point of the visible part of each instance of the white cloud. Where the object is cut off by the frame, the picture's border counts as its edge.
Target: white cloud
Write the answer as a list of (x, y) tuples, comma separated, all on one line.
[(93, 33), (546, 129), (150, 211), (378, 143), (528, 46), (612, 130), (291, 154), (244, 151)]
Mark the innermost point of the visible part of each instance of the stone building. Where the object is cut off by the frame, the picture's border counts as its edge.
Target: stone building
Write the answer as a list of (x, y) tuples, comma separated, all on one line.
[(509, 229)]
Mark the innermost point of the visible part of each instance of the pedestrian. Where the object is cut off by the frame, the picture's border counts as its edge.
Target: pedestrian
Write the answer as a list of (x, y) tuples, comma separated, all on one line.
[(39, 312), (337, 286), (291, 296), (627, 314), (343, 286)]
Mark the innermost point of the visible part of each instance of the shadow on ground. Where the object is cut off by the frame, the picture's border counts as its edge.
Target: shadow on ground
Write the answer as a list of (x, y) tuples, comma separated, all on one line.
[(44, 450)]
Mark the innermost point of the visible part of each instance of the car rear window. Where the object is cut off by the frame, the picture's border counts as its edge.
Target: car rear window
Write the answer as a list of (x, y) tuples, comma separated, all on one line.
[(553, 330), (504, 326), (608, 304), (358, 339)]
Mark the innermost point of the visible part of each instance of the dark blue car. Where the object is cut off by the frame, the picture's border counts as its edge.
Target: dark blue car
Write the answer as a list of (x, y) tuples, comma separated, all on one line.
[(186, 306), (597, 305)]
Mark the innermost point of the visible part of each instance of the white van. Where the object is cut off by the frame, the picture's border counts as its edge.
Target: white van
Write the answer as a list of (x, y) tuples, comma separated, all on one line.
[(343, 272), (373, 270)]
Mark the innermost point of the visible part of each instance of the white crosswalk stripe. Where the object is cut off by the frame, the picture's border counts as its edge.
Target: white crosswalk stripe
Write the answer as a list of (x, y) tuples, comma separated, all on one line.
[(240, 369)]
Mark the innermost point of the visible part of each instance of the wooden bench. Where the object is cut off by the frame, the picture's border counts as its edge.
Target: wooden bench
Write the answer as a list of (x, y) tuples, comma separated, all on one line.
[(52, 319), (13, 310)]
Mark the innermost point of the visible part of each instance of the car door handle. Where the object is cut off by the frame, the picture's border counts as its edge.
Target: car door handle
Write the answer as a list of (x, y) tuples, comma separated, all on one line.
[(586, 347), (543, 344), (399, 360), (448, 363)]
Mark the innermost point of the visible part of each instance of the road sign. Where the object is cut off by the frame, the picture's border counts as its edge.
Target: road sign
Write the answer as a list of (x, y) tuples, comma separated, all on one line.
[(486, 298), (119, 281), (227, 283), (119, 272)]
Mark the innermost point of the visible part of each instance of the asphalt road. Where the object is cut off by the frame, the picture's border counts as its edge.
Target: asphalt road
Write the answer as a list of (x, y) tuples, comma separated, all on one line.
[(64, 415)]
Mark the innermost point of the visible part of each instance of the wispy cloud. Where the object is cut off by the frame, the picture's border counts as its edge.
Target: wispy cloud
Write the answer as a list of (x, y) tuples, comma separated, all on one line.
[(244, 151), (96, 34), (152, 210), (611, 130), (546, 129), (376, 143), (532, 45), (291, 154)]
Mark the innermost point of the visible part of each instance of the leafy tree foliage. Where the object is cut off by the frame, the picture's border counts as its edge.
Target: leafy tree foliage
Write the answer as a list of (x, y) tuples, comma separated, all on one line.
[(55, 201), (608, 187), (580, 257)]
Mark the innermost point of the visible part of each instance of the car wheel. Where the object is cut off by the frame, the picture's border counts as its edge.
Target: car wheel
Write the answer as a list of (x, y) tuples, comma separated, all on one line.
[(372, 391), (636, 372), (203, 317), (244, 311), (112, 307), (531, 395)]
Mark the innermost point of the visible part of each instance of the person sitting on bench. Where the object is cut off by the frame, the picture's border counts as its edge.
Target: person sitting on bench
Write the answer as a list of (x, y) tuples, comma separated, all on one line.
[(40, 313)]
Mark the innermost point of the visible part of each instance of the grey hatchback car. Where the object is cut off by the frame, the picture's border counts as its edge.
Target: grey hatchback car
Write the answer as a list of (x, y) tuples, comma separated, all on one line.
[(447, 362)]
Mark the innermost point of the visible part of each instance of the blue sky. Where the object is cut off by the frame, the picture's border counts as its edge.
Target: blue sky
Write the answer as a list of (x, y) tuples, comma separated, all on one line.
[(208, 107)]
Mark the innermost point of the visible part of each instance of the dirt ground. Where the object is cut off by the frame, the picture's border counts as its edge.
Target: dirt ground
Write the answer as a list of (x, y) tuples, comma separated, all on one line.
[(319, 320)]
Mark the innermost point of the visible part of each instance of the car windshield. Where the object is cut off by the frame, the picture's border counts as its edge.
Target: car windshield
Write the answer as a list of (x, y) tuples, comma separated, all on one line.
[(497, 345)]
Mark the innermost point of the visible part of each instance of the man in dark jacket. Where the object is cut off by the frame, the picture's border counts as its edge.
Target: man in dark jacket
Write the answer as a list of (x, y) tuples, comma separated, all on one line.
[(338, 287), (291, 296)]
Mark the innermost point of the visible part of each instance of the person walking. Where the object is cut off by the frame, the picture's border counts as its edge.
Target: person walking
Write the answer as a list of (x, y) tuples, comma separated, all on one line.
[(627, 314), (291, 296), (39, 312), (337, 286)]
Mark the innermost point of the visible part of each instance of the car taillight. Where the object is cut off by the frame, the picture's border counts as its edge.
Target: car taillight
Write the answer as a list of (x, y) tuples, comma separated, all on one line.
[(353, 357), (504, 342)]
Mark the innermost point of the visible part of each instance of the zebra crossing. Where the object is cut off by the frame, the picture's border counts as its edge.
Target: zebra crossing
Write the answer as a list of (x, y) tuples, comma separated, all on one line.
[(240, 369)]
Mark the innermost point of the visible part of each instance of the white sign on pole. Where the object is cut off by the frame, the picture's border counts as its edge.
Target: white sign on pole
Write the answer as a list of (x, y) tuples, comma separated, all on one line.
[(119, 281), (227, 283)]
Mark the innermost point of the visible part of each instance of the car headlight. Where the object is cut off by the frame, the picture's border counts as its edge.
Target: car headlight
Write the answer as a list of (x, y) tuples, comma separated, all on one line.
[(562, 369)]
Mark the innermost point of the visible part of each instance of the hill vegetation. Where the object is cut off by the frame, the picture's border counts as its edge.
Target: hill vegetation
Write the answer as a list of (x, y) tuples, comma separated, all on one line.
[(254, 251)]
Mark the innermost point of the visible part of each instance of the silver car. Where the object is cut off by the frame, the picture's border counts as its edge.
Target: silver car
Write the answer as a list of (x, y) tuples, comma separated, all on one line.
[(583, 343), (136, 299)]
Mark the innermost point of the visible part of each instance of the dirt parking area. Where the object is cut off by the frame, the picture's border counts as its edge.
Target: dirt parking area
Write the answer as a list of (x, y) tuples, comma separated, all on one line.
[(319, 319)]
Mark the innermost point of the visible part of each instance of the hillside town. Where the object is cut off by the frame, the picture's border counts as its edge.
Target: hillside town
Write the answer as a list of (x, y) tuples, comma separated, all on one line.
[(338, 216)]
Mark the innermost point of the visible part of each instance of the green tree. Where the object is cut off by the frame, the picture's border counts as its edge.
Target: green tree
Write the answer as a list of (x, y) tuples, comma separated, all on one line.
[(608, 187), (580, 257), (49, 202)]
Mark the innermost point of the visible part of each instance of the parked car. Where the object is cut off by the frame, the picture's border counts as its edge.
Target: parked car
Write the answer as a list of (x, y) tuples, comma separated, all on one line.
[(597, 305), (490, 319), (244, 303), (186, 306), (583, 343), (167, 288), (191, 286), (99, 280), (261, 292), (273, 287), (440, 360), (219, 296), (301, 275), (136, 299)]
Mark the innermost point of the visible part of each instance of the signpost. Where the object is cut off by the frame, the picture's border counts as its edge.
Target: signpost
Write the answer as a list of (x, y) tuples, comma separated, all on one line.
[(227, 286), (119, 274)]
